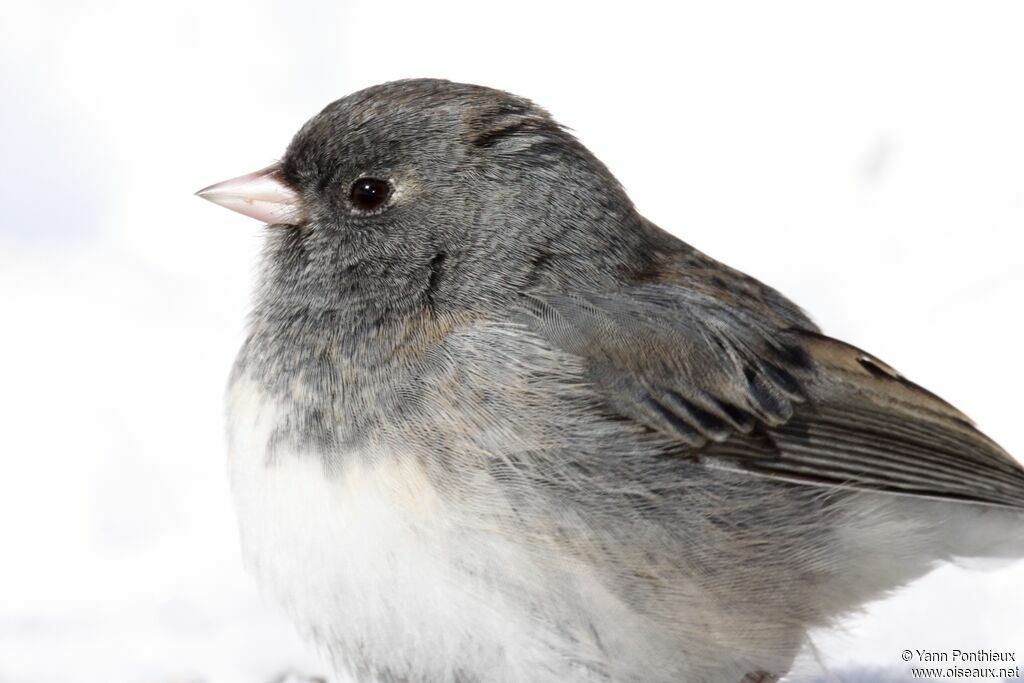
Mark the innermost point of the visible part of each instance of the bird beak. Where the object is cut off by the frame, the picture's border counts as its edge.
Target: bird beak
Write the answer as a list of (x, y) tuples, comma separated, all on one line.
[(262, 195)]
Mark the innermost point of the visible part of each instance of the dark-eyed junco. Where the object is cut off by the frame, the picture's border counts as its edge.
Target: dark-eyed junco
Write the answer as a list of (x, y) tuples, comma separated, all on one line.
[(491, 425)]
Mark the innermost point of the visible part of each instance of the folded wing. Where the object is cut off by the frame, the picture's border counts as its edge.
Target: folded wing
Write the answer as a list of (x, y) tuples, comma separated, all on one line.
[(736, 391)]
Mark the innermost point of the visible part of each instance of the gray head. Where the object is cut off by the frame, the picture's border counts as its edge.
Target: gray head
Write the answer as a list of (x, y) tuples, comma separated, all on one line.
[(427, 195)]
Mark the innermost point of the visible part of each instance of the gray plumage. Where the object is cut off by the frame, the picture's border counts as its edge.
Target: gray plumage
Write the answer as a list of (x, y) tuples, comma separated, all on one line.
[(503, 428)]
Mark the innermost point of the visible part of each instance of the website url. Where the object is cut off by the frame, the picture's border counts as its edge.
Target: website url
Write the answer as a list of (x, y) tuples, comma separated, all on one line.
[(966, 672)]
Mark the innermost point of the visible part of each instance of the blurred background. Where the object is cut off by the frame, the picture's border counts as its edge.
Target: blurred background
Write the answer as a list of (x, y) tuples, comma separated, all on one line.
[(865, 158)]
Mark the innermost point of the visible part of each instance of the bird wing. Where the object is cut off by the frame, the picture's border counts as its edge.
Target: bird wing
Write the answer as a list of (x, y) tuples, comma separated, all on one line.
[(731, 389)]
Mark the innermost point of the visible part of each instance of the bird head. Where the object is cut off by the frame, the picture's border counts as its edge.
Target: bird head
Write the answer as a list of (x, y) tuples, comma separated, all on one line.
[(428, 193)]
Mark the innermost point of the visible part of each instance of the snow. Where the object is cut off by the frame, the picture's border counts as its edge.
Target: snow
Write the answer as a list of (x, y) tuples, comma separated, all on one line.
[(868, 162)]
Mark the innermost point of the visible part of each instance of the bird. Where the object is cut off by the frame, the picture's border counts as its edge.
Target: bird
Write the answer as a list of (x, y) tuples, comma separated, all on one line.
[(490, 424)]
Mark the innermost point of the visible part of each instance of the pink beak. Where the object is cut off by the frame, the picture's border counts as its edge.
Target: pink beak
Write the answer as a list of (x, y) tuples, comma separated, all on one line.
[(262, 195)]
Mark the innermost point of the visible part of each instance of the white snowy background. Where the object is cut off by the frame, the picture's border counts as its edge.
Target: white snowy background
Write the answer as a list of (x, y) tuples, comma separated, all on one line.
[(866, 158)]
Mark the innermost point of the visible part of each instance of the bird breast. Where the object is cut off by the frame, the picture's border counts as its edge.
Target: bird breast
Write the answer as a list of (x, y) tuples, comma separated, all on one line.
[(388, 578)]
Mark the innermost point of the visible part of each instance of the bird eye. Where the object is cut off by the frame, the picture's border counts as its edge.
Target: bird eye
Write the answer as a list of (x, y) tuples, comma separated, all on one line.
[(368, 194)]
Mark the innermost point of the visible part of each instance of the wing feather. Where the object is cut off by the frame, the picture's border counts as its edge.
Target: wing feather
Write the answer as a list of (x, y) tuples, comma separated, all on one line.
[(736, 390)]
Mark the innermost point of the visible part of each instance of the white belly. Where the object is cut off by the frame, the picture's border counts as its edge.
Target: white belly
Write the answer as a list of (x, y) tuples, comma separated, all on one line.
[(383, 574)]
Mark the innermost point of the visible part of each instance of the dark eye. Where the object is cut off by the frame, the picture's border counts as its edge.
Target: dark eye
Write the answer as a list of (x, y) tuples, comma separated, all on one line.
[(368, 194)]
